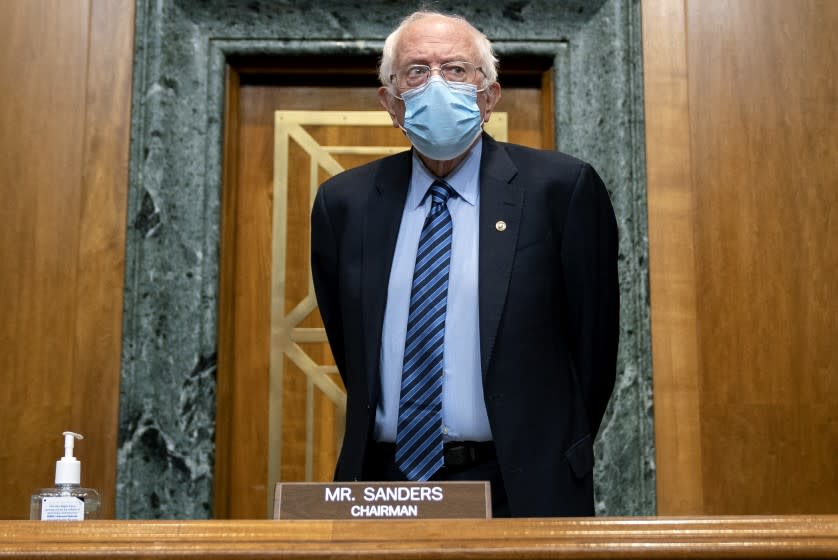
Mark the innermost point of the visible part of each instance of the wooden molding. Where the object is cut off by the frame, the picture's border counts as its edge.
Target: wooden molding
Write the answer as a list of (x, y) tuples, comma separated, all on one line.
[(226, 313), (700, 537)]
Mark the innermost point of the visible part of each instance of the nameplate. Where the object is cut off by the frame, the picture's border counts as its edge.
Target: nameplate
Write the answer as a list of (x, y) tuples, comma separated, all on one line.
[(383, 500)]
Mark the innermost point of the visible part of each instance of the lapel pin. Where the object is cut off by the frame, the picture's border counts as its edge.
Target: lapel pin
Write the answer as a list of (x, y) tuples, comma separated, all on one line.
[(500, 225)]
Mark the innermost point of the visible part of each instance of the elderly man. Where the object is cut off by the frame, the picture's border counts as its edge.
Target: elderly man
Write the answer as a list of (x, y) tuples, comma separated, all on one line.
[(469, 290)]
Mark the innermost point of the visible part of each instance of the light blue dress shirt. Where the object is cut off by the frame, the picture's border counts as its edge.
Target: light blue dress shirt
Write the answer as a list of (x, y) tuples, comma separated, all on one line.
[(463, 408)]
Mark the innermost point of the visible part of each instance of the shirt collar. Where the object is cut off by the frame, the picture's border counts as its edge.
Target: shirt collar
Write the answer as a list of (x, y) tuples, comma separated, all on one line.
[(464, 179)]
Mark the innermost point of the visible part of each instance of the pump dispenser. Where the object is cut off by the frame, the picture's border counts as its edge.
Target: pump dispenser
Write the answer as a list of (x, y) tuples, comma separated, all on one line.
[(67, 501)]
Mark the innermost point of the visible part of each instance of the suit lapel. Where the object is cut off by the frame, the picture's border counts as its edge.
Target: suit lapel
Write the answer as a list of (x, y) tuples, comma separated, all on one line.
[(382, 219), (501, 200), (501, 206)]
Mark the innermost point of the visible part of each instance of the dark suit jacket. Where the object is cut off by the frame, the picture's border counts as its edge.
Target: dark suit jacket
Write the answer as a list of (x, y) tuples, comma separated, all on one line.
[(549, 305)]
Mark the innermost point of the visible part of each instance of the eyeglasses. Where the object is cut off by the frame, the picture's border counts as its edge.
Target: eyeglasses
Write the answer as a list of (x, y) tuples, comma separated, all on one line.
[(417, 75)]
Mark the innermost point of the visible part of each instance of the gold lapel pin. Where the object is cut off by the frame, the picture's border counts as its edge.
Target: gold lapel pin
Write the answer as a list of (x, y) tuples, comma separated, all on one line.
[(500, 225)]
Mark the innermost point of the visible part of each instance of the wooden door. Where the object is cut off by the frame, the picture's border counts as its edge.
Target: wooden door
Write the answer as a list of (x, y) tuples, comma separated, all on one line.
[(276, 377)]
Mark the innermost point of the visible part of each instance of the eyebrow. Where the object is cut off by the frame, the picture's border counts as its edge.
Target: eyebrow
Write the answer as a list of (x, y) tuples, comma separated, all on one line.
[(424, 61)]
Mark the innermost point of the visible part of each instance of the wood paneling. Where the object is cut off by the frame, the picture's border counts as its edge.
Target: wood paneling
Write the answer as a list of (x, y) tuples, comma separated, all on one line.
[(101, 250), (639, 538), (763, 113), (671, 260), (759, 171), (64, 119)]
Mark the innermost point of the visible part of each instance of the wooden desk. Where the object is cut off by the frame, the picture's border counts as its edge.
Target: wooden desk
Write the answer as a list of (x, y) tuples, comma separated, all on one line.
[(704, 537)]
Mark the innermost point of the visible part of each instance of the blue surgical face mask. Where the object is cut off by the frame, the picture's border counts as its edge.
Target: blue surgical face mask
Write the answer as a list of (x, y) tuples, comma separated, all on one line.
[(442, 120)]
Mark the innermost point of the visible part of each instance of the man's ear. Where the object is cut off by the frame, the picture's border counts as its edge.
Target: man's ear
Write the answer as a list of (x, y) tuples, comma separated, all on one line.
[(493, 95), (388, 102)]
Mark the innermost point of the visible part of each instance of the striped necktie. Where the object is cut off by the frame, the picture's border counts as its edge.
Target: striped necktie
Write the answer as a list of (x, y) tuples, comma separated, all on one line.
[(419, 432)]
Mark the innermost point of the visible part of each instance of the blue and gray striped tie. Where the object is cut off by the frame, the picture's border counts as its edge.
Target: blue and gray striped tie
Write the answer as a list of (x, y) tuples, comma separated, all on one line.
[(419, 435)]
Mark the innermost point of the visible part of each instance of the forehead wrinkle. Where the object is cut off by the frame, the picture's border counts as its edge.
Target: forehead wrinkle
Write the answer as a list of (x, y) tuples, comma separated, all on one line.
[(434, 41)]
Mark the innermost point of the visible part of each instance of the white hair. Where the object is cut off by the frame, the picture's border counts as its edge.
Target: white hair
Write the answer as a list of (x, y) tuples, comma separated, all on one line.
[(486, 59)]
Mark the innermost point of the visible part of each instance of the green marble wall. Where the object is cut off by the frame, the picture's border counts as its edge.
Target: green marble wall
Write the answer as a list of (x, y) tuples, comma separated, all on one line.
[(167, 407)]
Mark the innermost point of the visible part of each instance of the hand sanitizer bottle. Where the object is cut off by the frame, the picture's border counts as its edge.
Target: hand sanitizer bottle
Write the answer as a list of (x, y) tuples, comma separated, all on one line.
[(67, 501)]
